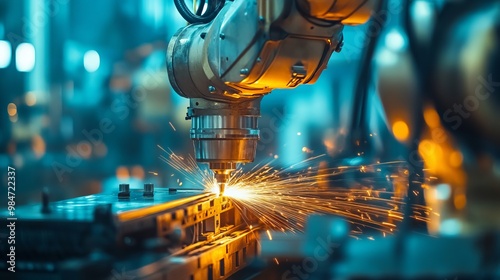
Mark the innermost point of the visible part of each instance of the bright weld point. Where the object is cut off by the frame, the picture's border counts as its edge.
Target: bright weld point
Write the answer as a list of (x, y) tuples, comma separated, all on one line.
[(276, 156), (216, 190), (240, 193), (154, 173), (276, 260), (400, 130), (269, 235), (298, 133)]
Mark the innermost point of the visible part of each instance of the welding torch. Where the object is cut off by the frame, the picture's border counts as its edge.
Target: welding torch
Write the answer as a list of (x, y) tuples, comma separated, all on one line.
[(232, 53)]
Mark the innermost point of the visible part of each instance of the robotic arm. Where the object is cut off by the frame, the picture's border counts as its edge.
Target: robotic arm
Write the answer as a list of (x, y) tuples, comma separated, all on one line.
[(250, 47)]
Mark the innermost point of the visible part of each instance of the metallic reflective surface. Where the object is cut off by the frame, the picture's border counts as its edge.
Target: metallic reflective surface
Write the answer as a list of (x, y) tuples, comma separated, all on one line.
[(92, 112), (346, 11), (224, 134), (224, 126), (227, 150), (226, 74), (166, 230)]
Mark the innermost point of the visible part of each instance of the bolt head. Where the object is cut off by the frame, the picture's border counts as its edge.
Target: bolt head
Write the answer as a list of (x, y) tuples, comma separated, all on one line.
[(212, 89), (124, 191), (340, 45), (244, 72), (124, 188)]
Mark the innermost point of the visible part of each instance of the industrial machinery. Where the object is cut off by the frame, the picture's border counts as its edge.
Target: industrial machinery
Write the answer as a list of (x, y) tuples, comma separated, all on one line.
[(131, 234), (440, 95), (225, 74)]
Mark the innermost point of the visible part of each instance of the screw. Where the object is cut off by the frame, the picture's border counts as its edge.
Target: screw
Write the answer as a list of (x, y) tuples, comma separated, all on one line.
[(203, 34), (124, 191), (212, 89), (149, 190), (244, 72), (222, 36), (262, 19), (340, 45)]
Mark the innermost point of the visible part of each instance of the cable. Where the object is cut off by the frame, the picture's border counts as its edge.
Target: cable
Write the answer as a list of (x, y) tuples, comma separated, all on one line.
[(358, 127), (199, 10), (213, 8)]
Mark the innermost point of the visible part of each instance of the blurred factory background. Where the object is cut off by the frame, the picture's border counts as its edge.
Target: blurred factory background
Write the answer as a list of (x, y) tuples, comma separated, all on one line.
[(85, 98)]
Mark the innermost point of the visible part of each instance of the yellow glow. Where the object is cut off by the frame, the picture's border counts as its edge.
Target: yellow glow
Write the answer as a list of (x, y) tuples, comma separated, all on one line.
[(431, 153), (30, 99), (431, 117), (122, 172), (456, 159), (400, 130), (138, 172), (216, 190), (269, 235), (460, 201), (38, 146), (330, 146), (282, 201), (242, 193), (12, 109)]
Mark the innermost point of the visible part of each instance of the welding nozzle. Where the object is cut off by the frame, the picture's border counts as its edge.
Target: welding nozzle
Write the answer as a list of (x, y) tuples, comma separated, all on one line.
[(222, 173), (222, 178), (224, 134), (222, 187)]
